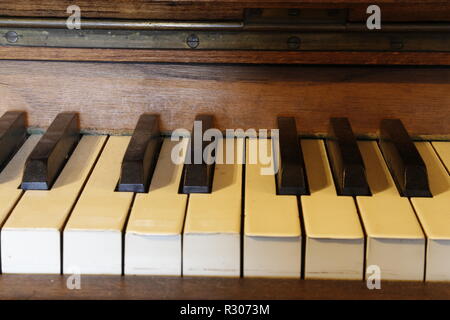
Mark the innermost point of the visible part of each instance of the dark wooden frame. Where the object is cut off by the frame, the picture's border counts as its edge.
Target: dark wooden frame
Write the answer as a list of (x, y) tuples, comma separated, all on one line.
[(141, 287)]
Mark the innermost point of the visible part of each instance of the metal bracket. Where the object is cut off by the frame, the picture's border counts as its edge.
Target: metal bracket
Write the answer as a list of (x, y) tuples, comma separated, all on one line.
[(268, 29)]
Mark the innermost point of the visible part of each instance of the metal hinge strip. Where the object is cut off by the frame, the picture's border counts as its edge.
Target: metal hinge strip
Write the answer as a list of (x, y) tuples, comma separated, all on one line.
[(226, 40)]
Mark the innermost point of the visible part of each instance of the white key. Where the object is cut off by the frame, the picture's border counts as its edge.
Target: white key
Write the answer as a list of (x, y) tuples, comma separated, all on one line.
[(153, 235), (434, 213), (10, 179), (443, 150), (395, 241), (92, 241), (211, 239), (272, 233), (334, 236), (31, 237)]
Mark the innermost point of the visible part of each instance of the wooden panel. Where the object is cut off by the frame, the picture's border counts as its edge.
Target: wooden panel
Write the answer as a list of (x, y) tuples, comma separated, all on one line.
[(137, 9), (226, 56), (110, 97), (116, 287), (392, 10), (404, 12)]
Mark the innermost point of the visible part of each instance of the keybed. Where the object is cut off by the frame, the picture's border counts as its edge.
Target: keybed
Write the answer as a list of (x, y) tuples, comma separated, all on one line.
[(242, 227)]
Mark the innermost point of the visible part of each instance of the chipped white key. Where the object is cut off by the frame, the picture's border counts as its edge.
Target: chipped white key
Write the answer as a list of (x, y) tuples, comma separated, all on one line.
[(395, 241), (92, 238), (434, 213), (272, 233), (31, 237), (153, 235), (334, 236), (211, 239)]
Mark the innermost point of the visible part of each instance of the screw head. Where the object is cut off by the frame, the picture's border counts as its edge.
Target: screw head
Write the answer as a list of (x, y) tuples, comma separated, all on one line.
[(193, 41), (12, 36), (293, 43)]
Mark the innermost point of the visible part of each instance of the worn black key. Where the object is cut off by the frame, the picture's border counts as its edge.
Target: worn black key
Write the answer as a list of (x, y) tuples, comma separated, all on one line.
[(141, 155), (404, 161), (346, 161), (13, 133), (198, 175), (51, 153), (291, 175)]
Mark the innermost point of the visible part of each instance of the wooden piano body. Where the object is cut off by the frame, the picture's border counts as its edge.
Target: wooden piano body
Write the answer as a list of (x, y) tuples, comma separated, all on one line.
[(402, 74)]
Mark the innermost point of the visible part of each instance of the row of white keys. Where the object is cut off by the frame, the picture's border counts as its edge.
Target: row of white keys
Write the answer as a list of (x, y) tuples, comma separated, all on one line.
[(334, 237), (92, 240), (395, 241), (272, 232), (434, 213), (31, 237), (212, 233), (153, 239)]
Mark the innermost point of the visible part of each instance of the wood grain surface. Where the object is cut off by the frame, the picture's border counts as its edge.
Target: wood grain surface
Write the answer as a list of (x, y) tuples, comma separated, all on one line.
[(226, 56), (141, 287), (111, 96), (393, 10)]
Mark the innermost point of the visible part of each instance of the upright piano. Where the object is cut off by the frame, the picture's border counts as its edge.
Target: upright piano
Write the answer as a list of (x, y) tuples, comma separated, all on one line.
[(225, 149)]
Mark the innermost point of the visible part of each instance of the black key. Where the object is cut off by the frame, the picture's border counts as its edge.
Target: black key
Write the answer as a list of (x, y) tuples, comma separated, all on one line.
[(13, 133), (346, 161), (291, 175), (51, 153), (404, 161), (197, 178), (140, 158)]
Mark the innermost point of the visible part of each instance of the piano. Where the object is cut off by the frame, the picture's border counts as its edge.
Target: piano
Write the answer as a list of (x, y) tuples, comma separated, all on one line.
[(225, 150)]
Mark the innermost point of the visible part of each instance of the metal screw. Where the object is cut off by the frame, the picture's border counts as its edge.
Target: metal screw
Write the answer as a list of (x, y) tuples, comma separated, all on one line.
[(192, 41), (396, 44), (12, 36), (293, 43)]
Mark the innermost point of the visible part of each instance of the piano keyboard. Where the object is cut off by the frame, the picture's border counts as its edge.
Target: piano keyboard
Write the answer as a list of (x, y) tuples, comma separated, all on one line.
[(72, 203)]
